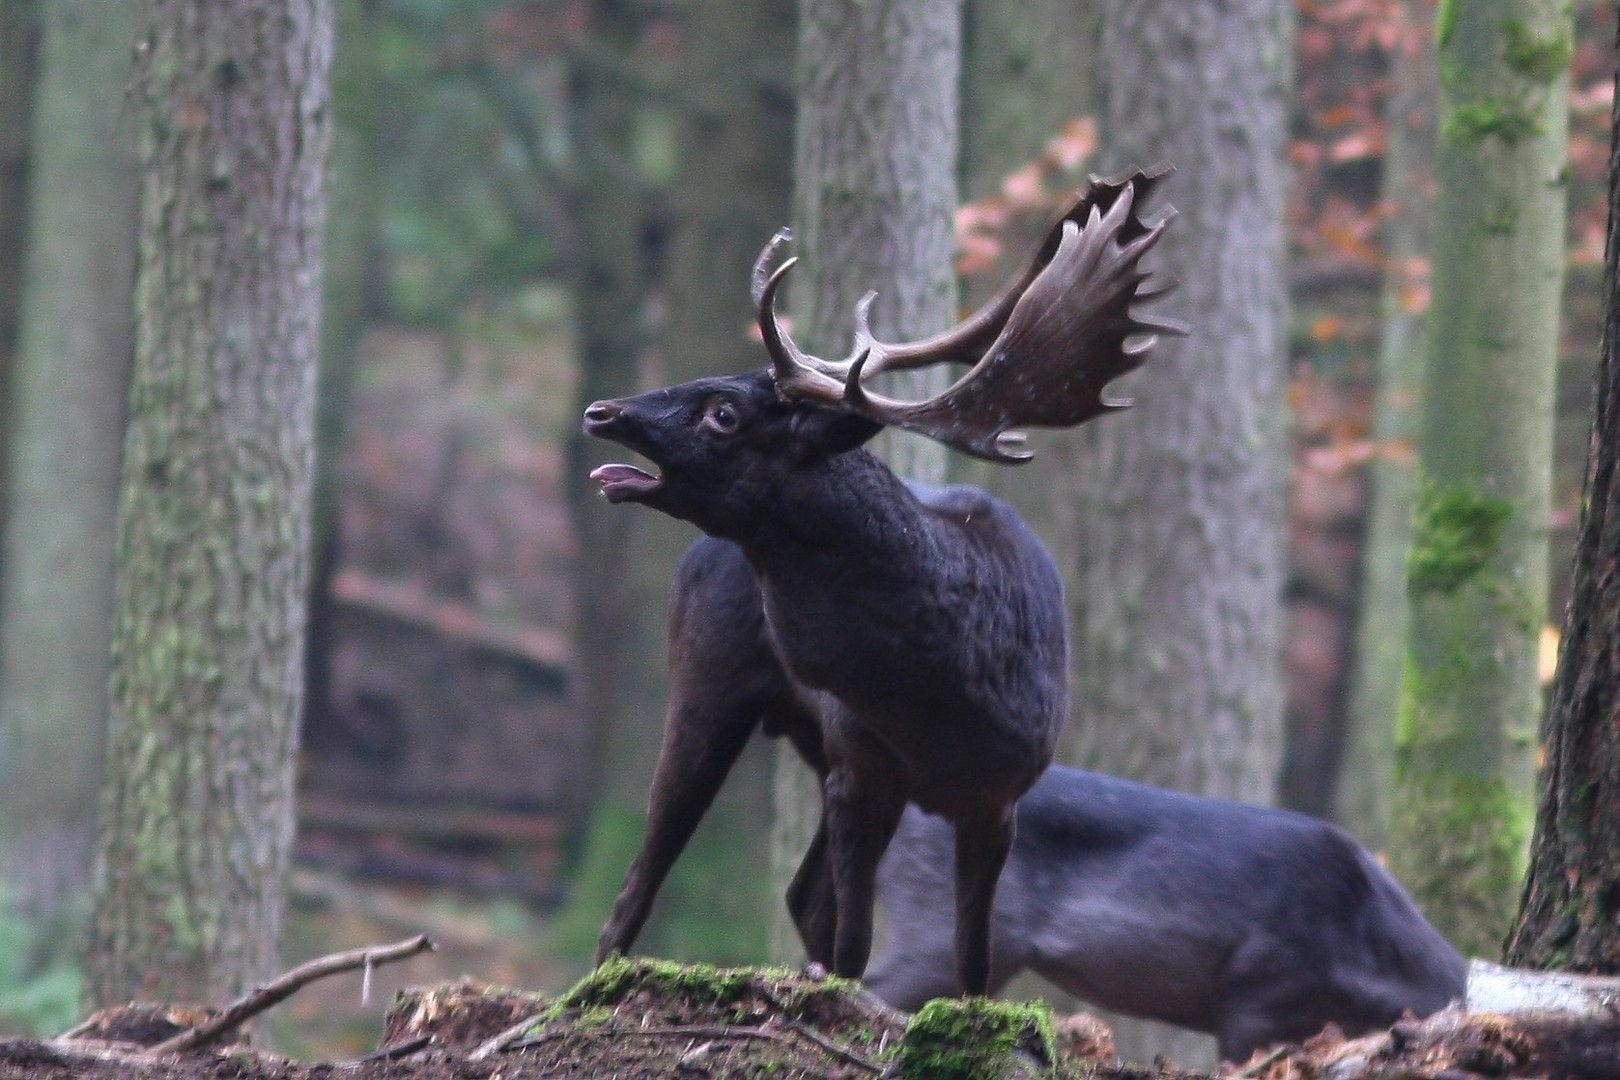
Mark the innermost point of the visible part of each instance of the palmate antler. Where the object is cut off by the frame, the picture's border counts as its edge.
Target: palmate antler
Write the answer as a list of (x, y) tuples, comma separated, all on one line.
[(1041, 352)]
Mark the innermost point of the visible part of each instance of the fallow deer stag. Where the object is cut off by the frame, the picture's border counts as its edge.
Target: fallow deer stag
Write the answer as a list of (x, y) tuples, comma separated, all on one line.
[(910, 639)]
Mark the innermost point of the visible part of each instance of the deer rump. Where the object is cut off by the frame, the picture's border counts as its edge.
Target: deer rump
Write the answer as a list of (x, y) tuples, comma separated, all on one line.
[(910, 640)]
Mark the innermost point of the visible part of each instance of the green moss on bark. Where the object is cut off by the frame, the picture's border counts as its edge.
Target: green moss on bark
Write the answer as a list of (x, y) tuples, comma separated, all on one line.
[(1454, 534), (1538, 57), (1463, 856)]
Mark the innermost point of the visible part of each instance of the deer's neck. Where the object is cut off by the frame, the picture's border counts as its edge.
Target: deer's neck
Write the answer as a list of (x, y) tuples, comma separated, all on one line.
[(847, 517)]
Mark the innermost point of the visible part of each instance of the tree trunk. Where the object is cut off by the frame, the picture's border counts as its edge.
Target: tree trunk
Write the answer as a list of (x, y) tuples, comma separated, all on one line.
[(1477, 576), (1173, 546), (732, 192), (1569, 915), (19, 52), (874, 195), (348, 301), (1367, 777), (214, 512), (67, 396), (619, 600), (729, 194), (1175, 551)]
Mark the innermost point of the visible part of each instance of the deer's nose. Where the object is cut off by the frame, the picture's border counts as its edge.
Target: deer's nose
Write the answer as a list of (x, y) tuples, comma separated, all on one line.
[(602, 412)]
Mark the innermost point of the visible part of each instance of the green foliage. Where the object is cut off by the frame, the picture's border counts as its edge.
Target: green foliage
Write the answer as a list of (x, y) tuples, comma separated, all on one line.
[(467, 141), (1454, 534), (40, 978), (1445, 22), (971, 1038), (619, 977), (726, 989)]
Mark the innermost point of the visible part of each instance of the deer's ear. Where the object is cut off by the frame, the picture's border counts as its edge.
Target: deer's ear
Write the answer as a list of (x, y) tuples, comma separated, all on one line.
[(823, 433)]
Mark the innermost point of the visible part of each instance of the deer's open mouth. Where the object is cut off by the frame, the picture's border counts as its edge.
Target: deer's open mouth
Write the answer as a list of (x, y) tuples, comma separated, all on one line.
[(625, 483)]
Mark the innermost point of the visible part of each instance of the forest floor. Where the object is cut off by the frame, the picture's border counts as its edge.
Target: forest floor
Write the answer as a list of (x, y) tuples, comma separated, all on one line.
[(633, 1020), (656, 1020)]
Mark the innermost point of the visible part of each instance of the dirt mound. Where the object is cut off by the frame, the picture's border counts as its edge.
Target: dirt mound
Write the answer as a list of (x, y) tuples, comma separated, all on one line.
[(634, 1020)]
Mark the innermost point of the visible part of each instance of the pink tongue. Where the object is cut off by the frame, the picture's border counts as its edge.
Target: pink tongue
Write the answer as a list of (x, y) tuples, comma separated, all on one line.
[(621, 481)]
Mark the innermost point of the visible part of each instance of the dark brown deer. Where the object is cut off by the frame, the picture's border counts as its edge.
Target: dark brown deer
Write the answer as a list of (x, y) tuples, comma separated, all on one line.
[(912, 637)]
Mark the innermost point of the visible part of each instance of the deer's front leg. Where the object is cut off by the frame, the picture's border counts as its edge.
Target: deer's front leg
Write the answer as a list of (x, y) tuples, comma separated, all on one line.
[(700, 747), (861, 807), (981, 852)]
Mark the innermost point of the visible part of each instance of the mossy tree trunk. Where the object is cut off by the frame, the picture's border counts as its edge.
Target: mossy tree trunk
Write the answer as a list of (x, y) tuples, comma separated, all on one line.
[(66, 401), (232, 114), (1569, 914), (1477, 575), (874, 195), (1368, 775)]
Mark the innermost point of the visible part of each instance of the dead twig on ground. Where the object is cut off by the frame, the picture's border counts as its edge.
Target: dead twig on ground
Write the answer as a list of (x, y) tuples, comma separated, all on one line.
[(505, 1040), (283, 987)]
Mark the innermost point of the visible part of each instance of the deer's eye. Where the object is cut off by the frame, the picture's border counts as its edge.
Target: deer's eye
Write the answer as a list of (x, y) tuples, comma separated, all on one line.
[(722, 416)]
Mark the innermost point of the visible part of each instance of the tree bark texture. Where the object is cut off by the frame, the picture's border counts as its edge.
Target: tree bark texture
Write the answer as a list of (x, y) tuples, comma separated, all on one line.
[(1569, 914), (66, 400), (1368, 776), (1477, 572), (214, 513), (874, 195), (1175, 551), (875, 175), (19, 55)]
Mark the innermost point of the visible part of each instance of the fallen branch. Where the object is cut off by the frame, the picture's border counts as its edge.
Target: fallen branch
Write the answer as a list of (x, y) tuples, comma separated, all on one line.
[(504, 1040), (833, 1048), (283, 987), (399, 1050)]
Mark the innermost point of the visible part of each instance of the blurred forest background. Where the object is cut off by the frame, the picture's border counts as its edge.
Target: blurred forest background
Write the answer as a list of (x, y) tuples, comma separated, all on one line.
[(536, 203)]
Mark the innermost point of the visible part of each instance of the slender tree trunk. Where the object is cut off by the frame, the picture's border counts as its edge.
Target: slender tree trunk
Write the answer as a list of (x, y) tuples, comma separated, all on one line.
[(731, 193), (66, 401), (1569, 914), (1368, 774), (214, 514), (1477, 576), (874, 195), (348, 301), (1026, 73), (19, 52), (619, 600)]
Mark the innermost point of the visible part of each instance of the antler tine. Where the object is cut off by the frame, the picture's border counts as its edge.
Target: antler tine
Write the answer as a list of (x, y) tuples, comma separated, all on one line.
[(1068, 332), (797, 373), (762, 266), (968, 341), (1042, 351)]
